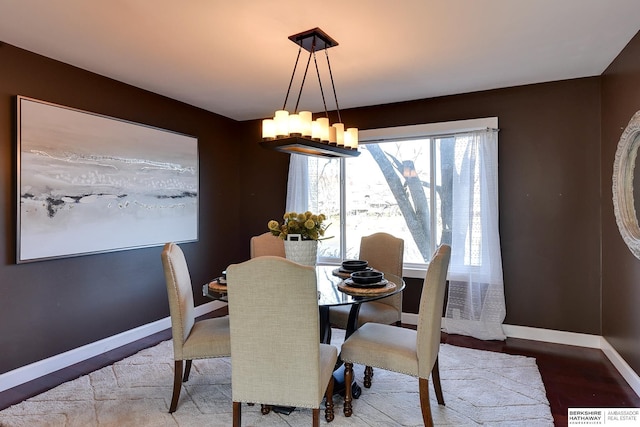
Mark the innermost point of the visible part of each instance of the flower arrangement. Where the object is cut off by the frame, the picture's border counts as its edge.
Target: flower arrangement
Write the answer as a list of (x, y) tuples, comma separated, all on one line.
[(310, 226)]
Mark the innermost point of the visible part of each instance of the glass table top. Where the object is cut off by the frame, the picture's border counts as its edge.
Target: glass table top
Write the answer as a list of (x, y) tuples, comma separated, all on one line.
[(328, 292)]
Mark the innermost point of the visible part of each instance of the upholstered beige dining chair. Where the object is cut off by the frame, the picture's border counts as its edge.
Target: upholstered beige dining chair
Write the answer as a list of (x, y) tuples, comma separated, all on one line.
[(404, 350), (267, 244), (384, 253), (276, 354), (191, 340)]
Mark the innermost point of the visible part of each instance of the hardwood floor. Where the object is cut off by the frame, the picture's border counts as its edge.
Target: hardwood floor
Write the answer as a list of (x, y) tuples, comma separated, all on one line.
[(573, 376)]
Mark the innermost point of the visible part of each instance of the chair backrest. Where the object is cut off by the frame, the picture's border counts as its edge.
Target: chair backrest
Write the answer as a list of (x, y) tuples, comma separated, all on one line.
[(385, 253), (275, 332), (180, 294), (267, 244), (430, 312)]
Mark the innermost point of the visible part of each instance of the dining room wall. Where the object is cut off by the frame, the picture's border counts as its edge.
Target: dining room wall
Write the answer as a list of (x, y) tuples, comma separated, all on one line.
[(620, 269), (49, 307)]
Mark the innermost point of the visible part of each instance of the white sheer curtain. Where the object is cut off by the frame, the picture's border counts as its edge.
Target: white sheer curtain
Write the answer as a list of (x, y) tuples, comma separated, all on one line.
[(298, 184), (475, 304)]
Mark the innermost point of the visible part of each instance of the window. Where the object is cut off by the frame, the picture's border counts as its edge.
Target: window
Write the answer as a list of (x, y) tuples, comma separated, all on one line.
[(402, 183)]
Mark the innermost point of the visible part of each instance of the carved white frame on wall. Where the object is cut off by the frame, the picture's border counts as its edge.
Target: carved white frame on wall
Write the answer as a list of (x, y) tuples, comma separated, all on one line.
[(623, 200)]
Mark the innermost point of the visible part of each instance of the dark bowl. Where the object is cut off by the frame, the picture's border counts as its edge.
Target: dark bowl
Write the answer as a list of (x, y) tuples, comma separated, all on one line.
[(354, 265), (366, 277)]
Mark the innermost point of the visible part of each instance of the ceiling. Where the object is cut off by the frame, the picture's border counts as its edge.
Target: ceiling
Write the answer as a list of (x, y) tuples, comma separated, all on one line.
[(234, 57)]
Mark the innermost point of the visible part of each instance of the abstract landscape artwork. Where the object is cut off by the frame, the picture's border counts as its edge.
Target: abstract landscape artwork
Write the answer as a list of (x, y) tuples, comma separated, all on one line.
[(88, 183)]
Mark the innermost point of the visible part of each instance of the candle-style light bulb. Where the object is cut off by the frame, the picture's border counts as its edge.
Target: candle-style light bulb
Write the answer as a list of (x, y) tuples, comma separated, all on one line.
[(305, 123), (268, 129), (282, 123), (295, 125), (324, 129), (339, 127), (316, 130), (353, 138)]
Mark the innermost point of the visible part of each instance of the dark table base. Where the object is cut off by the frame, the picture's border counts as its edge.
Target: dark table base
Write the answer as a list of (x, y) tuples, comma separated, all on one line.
[(339, 385)]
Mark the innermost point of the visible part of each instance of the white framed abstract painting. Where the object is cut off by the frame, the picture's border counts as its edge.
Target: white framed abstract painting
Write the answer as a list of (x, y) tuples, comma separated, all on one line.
[(89, 183)]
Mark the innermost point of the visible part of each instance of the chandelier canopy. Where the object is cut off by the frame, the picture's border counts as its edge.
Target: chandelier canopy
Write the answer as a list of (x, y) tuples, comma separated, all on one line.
[(297, 132)]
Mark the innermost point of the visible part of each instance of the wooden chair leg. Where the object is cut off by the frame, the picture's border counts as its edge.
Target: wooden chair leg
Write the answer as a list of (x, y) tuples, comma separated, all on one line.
[(237, 414), (368, 375), (316, 417), (348, 398), (177, 384), (328, 397), (423, 384), (435, 374), (187, 371)]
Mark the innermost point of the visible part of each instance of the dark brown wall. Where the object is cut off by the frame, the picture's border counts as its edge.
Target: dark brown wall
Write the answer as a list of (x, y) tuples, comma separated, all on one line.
[(620, 269), (53, 306)]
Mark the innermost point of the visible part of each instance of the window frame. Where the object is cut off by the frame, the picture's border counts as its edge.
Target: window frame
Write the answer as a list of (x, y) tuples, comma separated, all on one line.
[(398, 133)]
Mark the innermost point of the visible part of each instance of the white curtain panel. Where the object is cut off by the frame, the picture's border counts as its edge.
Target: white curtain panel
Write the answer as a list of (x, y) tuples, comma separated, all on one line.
[(298, 184), (475, 304)]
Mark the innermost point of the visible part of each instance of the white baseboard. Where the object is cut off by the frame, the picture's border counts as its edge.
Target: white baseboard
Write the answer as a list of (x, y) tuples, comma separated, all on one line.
[(625, 370), (409, 318), (553, 336), (46, 366), (567, 338)]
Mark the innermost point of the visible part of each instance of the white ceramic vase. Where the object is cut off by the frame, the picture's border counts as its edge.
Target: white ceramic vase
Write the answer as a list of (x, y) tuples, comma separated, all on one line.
[(303, 252)]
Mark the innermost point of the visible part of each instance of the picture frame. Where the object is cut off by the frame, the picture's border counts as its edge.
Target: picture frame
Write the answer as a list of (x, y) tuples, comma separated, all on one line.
[(88, 183)]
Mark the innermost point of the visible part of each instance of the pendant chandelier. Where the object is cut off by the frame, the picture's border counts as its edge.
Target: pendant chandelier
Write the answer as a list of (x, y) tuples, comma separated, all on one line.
[(297, 132)]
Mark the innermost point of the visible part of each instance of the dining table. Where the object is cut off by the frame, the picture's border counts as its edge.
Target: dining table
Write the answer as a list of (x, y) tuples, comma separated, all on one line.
[(335, 288)]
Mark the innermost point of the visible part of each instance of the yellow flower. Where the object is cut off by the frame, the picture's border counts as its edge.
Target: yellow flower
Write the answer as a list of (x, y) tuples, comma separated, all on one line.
[(309, 225), (273, 225)]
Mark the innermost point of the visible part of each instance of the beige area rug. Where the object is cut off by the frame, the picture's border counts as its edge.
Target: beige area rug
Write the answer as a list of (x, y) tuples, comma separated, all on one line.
[(480, 388)]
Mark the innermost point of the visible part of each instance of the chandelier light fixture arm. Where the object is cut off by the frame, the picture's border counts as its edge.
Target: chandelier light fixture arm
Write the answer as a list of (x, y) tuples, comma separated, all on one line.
[(297, 132), (304, 78), (324, 101), (335, 96), (295, 66)]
